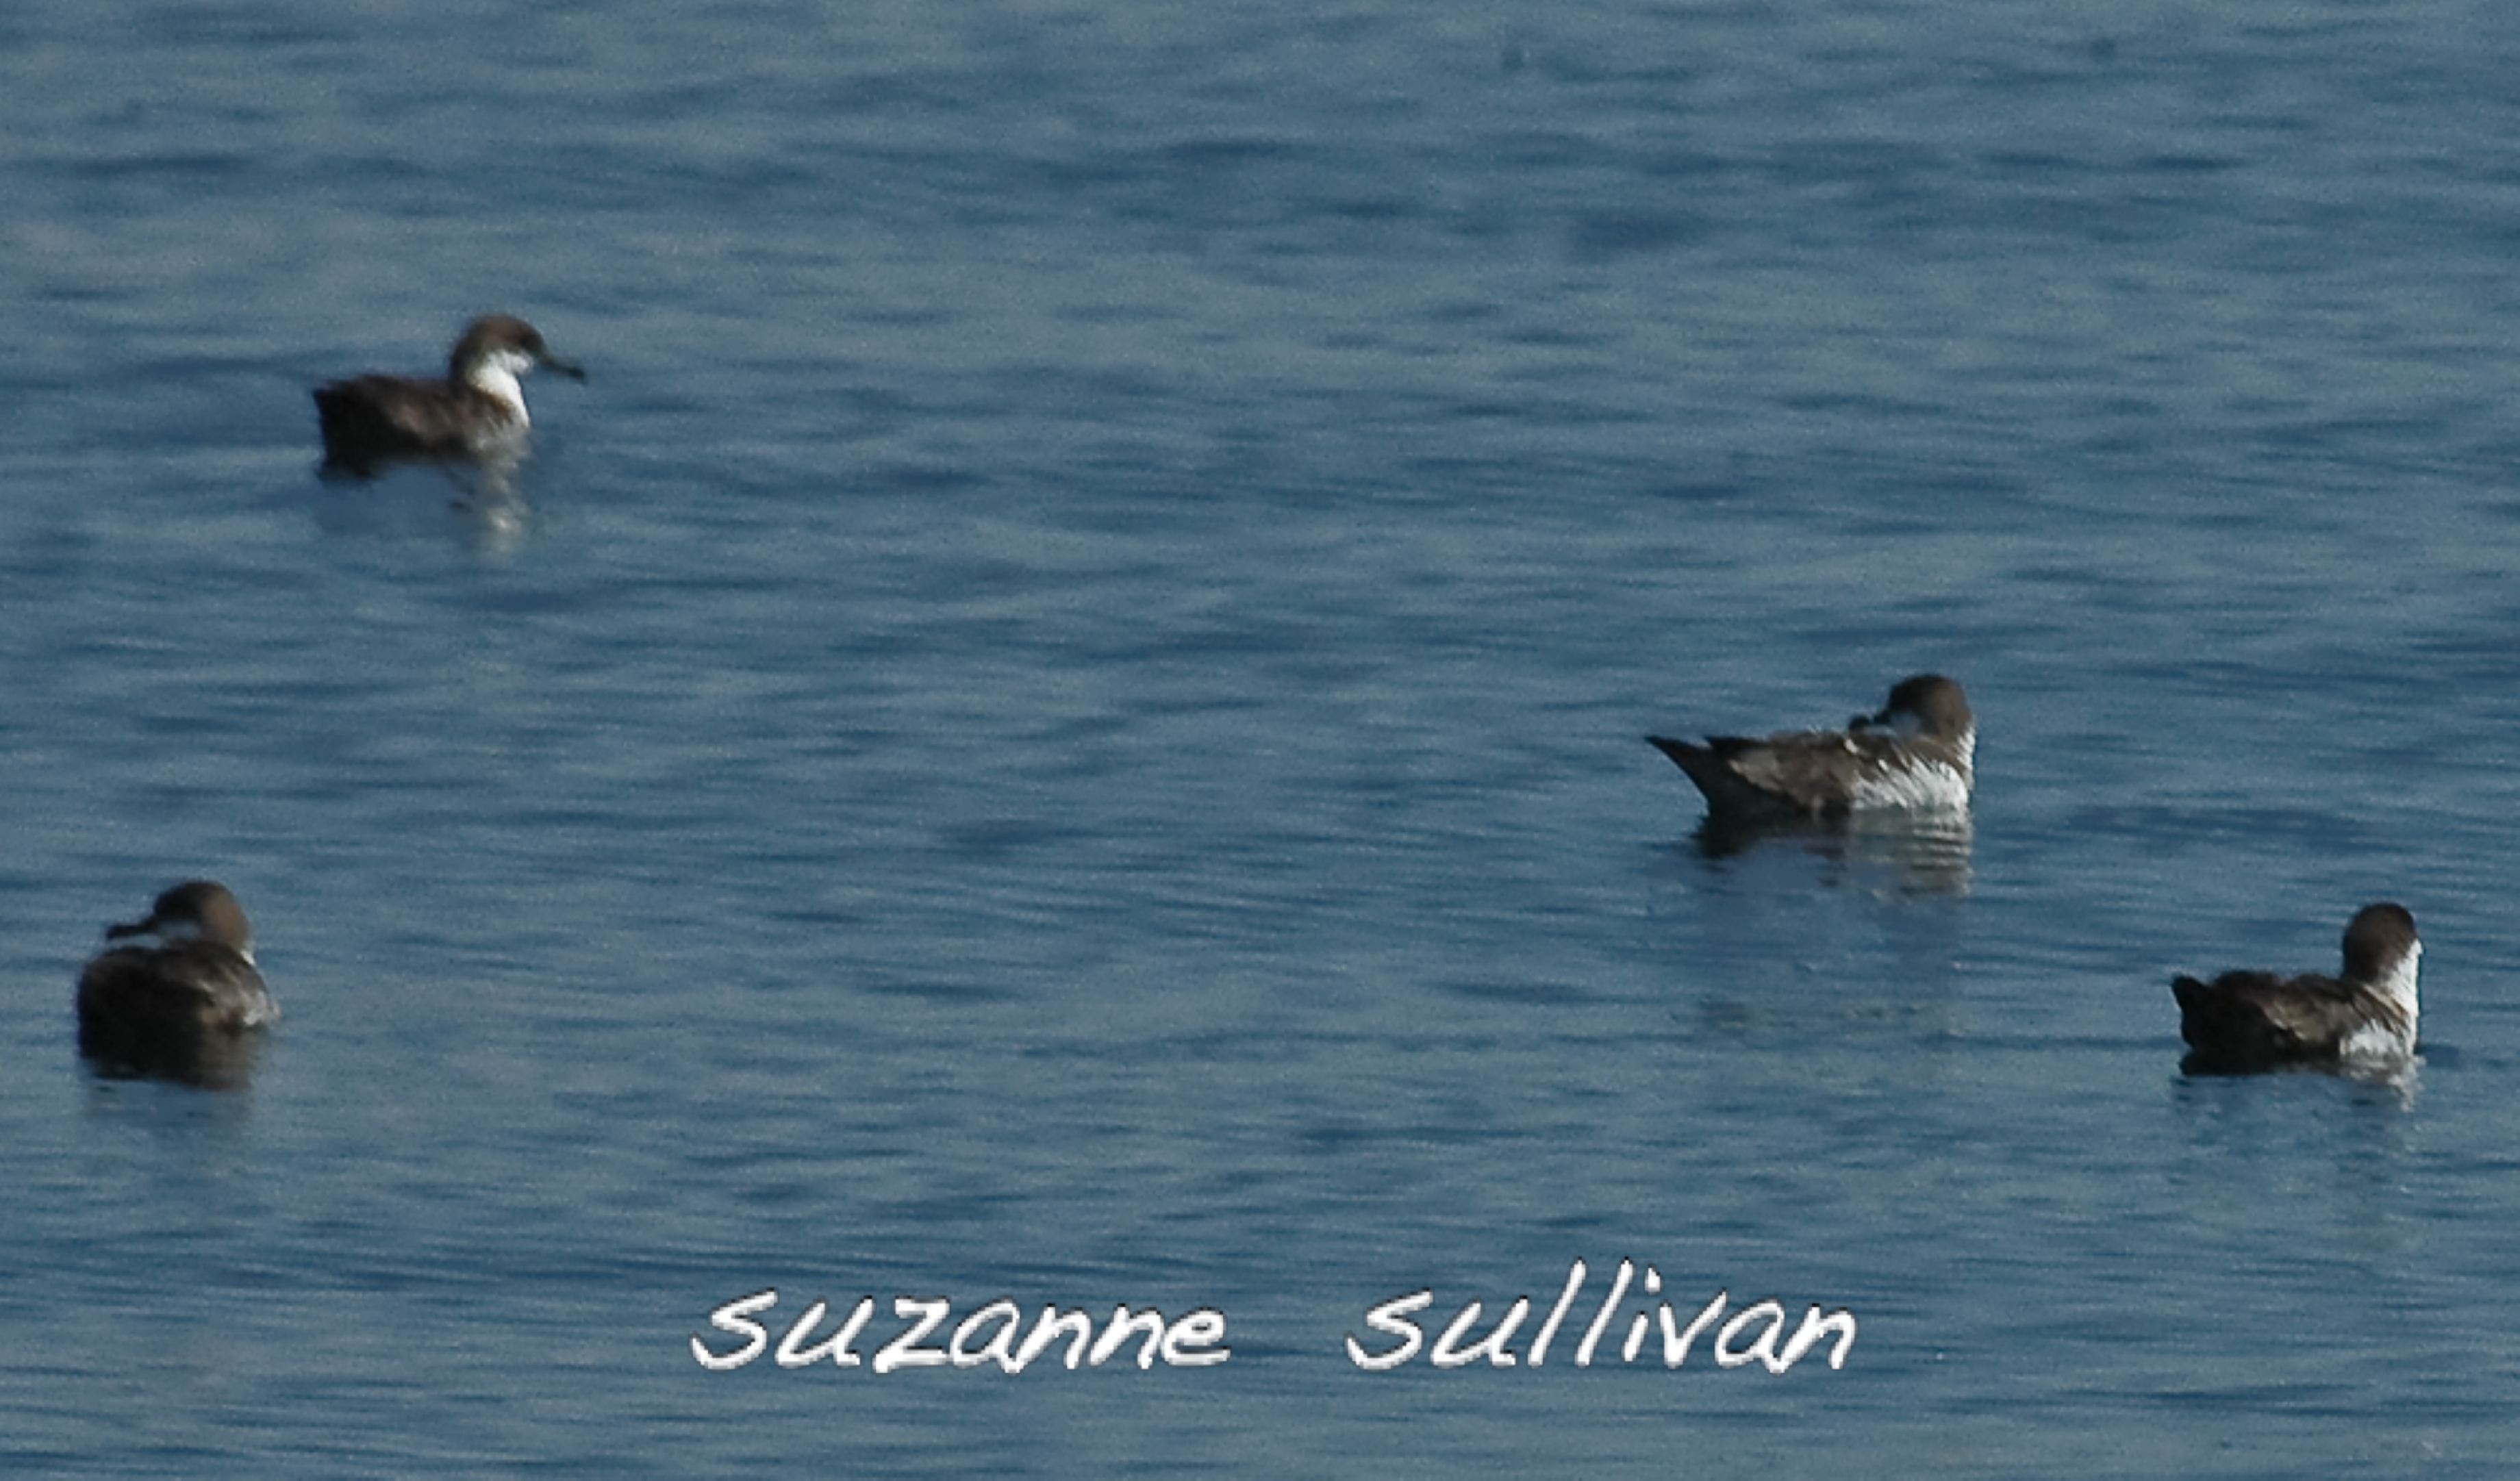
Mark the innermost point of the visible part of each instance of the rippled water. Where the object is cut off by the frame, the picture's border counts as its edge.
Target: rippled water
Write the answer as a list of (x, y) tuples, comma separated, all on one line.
[(1060, 720)]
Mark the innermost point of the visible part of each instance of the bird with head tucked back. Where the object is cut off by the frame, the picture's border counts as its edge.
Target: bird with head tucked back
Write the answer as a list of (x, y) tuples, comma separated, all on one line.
[(159, 1008), (1918, 750)]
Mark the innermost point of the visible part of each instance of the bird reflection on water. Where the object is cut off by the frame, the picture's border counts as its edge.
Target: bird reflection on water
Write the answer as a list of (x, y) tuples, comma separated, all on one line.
[(1897, 852)]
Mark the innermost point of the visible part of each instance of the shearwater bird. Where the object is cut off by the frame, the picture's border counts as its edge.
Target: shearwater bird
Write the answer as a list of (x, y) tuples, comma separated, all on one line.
[(1917, 752), (476, 412), (2246, 1021), (178, 1007)]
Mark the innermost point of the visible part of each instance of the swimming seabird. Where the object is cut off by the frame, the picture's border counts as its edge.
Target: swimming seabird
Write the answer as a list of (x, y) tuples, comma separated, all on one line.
[(477, 411), (177, 1008), (2246, 1021), (1917, 752)]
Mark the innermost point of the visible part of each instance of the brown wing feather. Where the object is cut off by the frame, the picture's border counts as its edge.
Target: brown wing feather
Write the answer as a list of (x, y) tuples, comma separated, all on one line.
[(1719, 770), (1815, 771), (192, 986), (371, 418), (2253, 1020)]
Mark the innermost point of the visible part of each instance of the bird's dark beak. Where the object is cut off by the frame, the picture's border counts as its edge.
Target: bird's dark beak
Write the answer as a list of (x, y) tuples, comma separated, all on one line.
[(148, 928), (569, 368)]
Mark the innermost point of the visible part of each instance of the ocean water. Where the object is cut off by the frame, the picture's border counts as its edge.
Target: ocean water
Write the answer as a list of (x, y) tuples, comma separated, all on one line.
[(1060, 721)]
